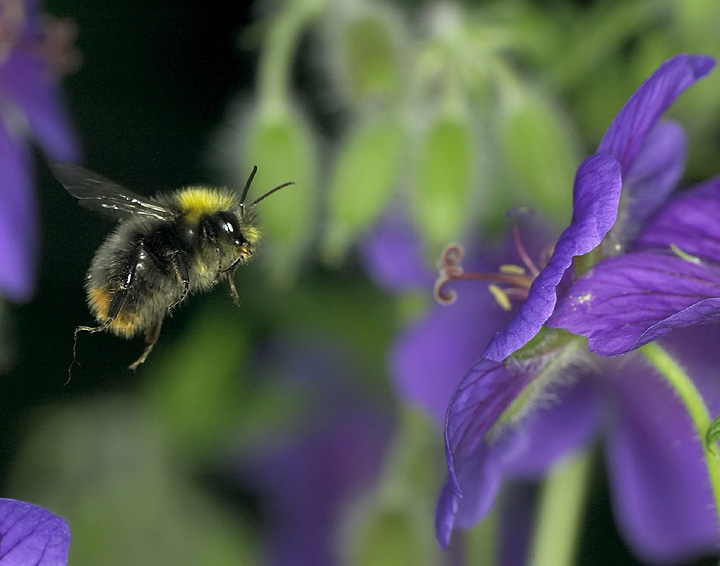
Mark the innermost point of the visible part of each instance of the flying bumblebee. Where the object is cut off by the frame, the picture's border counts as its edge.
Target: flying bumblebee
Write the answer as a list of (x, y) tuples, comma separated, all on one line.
[(164, 248)]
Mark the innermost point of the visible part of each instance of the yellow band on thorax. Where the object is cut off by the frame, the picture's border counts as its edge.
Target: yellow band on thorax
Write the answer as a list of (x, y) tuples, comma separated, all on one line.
[(200, 201)]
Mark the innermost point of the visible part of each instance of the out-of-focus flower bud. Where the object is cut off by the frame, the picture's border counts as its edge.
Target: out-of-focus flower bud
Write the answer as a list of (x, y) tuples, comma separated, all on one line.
[(541, 157), (363, 181), (444, 178)]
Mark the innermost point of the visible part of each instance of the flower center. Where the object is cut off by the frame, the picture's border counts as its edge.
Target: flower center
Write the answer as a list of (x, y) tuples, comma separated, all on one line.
[(515, 279)]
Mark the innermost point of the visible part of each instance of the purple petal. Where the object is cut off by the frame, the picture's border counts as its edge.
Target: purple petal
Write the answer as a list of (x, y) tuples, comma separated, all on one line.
[(481, 476), (654, 174), (551, 432), (597, 194), (689, 221), (661, 493), (307, 481), (474, 462), (627, 301), (479, 455), (627, 134), (483, 395), (430, 357), (25, 81), (18, 221), (32, 535), (392, 254)]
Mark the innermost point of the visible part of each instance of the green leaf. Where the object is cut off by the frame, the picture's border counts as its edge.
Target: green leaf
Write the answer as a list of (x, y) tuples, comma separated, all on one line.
[(363, 182), (444, 179)]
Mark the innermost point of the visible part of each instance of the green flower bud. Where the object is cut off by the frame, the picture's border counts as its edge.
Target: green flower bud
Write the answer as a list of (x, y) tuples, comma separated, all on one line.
[(363, 181), (444, 178), (283, 148), (541, 157), (368, 53)]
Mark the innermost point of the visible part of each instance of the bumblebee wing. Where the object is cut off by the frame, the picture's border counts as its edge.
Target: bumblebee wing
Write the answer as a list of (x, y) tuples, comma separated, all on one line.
[(102, 195)]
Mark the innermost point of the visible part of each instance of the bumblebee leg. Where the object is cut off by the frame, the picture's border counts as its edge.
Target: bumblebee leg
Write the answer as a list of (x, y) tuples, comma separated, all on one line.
[(118, 300), (233, 291), (180, 267), (91, 329), (115, 307), (151, 339), (209, 232)]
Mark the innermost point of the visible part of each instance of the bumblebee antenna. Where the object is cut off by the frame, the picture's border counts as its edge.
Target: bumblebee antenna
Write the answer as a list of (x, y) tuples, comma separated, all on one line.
[(271, 191), (266, 195), (247, 185)]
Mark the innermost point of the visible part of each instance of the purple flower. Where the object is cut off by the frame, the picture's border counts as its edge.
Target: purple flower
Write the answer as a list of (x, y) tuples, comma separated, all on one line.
[(671, 281), (32, 535), (532, 374), (307, 477), (30, 109)]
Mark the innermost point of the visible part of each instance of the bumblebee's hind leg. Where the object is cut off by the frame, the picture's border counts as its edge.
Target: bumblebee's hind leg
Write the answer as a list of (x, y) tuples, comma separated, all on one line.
[(92, 330), (113, 311), (151, 338)]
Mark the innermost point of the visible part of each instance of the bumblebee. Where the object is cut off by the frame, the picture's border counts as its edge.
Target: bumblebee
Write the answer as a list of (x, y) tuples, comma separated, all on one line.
[(163, 248)]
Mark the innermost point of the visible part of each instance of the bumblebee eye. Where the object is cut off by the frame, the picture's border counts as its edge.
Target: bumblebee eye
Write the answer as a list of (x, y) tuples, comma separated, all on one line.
[(229, 226)]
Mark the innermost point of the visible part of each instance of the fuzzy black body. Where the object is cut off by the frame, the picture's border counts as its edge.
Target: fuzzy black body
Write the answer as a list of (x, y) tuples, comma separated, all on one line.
[(163, 249), (148, 265)]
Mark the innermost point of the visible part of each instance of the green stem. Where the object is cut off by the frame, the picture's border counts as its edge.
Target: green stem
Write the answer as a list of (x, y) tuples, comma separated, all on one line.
[(559, 519), (695, 405), (279, 51)]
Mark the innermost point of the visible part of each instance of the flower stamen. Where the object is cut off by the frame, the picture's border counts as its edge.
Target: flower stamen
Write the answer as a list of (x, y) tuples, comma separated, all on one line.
[(451, 270), (532, 268), (684, 255)]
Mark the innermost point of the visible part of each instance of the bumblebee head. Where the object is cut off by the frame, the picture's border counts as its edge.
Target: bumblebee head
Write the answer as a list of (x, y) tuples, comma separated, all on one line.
[(234, 230), (237, 234)]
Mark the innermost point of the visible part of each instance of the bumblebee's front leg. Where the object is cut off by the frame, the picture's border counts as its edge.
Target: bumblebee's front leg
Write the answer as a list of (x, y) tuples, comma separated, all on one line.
[(208, 231), (230, 274)]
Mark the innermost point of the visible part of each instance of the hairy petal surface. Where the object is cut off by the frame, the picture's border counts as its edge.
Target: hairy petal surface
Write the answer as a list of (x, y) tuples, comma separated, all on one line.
[(627, 134), (31, 535), (656, 470), (597, 194), (627, 301)]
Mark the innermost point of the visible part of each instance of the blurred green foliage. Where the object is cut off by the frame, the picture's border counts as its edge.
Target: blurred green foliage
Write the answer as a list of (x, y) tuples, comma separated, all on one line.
[(457, 111)]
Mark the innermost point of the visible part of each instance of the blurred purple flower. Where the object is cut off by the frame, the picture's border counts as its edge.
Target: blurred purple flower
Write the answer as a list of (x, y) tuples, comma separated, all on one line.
[(32, 535), (654, 456), (31, 51), (392, 253), (309, 478)]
